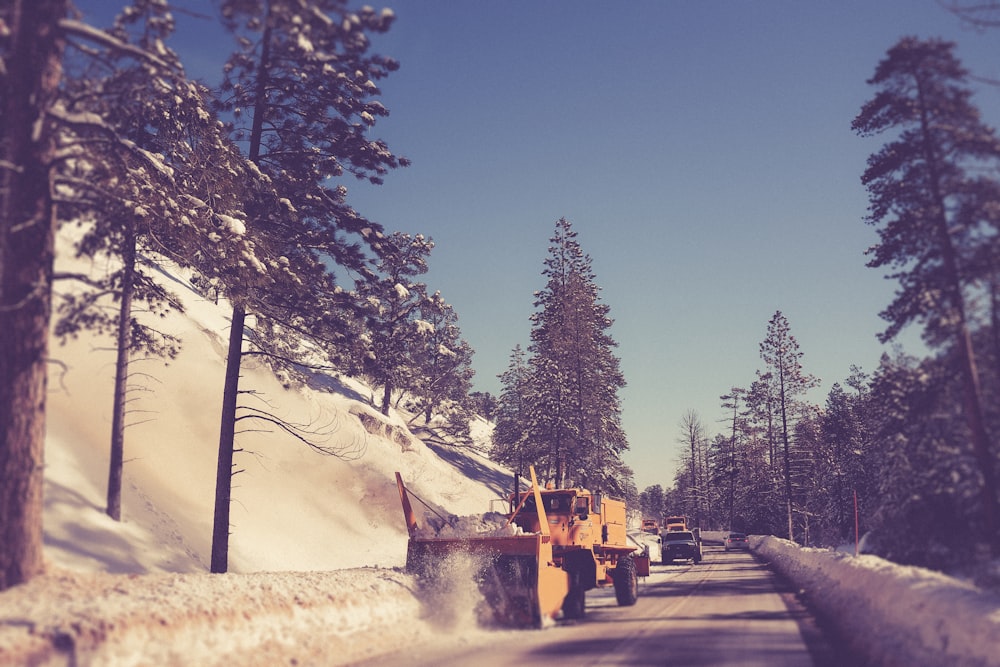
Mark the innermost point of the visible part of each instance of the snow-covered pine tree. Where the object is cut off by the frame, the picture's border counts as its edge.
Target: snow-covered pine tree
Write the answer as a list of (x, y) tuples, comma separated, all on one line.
[(143, 171), (928, 480), (395, 305), (301, 90), (845, 443), (511, 443), (574, 375), (933, 201), (442, 361), (652, 503)]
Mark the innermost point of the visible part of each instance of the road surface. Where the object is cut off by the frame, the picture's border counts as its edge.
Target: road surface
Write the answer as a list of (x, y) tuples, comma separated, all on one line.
[(729, 610)]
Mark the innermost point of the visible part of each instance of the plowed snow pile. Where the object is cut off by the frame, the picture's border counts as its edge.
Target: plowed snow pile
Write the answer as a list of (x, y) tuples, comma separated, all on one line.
[(491, 524), (894, 614), (335, 617)]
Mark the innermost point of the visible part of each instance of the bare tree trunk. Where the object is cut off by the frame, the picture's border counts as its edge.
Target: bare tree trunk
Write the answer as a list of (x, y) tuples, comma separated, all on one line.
[(980, 440), (994, 287), (121, 376), (971, 390), (234, 361), (386, 398), (27, 87), (227, 436), (788, 464)]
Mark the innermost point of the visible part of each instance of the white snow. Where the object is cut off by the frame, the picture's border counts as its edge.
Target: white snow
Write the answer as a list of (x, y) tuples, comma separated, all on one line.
[(893, 614), (235, 226), (318, 543), (487, 524)]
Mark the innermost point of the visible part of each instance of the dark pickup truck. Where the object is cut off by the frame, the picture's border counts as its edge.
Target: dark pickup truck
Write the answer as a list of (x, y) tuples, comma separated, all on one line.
[(680, 545)]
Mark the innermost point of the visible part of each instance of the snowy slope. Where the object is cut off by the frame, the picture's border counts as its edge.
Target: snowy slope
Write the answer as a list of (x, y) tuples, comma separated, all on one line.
[(293, 509)]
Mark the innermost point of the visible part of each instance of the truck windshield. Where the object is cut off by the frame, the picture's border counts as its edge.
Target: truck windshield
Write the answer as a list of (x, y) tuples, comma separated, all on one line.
[(678, 536)]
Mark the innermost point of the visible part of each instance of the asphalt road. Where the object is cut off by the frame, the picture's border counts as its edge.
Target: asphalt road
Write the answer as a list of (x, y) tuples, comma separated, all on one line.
[(729, 610)]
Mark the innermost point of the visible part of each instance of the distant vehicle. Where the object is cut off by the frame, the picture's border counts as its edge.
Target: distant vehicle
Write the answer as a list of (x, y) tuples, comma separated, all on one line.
[(651, 526), (680, 545), (676, 523), (737, 541)]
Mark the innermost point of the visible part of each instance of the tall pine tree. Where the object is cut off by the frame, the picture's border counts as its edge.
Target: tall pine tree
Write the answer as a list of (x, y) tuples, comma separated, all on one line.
[(780, 352), (147, 172), (30, 55), (574, 375), (933, 200), (301, 89)]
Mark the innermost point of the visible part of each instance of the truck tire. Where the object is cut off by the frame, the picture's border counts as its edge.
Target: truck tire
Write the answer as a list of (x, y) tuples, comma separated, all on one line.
[(626, 582), (575, 604)]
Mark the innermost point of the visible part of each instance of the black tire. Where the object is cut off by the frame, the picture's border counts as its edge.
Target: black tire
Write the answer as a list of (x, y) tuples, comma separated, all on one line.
[(575, 604), (626, 582)]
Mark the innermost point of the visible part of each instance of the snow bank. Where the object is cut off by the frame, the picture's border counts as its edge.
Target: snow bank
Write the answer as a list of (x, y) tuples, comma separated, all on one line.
[(894, 614), (181, 619)]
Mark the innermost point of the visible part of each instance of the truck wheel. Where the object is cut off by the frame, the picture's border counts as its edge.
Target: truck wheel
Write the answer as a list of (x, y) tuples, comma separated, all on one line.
[(626, 582), (575, 604)]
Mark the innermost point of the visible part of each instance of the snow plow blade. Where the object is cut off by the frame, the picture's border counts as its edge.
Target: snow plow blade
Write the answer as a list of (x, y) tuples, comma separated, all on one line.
[(520, 583), (515, 575)]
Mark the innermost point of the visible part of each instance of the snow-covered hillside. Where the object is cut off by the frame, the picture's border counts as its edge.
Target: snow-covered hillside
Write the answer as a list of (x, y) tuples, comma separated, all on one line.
[(293, 509), (317, 541), (328, 531)]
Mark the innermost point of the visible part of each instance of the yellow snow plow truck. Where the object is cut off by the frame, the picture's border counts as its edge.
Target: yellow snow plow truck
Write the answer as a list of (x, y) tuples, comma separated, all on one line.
[(540, 558)]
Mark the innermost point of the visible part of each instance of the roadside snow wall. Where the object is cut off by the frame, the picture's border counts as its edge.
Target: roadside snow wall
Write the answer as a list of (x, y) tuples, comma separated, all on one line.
[(210, 620), (893, 614)]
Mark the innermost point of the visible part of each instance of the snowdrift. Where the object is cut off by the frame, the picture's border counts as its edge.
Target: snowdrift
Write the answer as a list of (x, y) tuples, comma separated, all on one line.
[(186, 619), (894, 614)]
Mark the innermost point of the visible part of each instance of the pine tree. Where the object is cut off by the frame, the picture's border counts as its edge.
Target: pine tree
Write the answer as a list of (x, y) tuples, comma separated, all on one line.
[(934, 206), (780, 352), (511, 443), (652, 500), (733, 402), (692, 436), (845, 444), (928, 481), (148, 172), (574, 374), (395, 302), (301, 89), (30, 54), (442, 363)]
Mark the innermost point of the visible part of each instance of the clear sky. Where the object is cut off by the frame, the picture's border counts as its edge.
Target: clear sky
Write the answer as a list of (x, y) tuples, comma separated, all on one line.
[(702, 151)]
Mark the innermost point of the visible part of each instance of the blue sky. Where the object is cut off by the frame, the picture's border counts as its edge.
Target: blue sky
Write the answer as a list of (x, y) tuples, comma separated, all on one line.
[(701, 150)]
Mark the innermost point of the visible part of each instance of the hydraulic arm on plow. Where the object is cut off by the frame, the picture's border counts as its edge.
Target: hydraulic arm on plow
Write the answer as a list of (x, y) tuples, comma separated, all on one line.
[(556, 545)]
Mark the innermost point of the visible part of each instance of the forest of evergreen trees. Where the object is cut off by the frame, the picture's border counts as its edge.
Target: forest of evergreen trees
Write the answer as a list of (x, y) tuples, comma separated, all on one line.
[(912, 444)]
